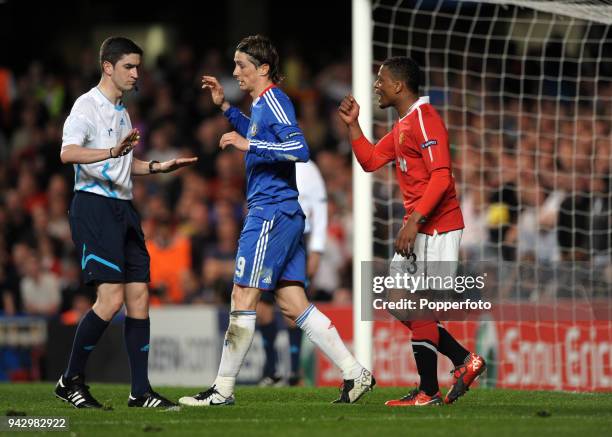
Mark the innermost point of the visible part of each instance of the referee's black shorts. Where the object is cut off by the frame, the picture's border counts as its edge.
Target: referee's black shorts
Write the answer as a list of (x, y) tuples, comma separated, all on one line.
[(109, 239)]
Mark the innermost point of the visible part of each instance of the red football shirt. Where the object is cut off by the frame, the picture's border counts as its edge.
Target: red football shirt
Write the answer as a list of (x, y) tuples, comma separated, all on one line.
[(419, 145)]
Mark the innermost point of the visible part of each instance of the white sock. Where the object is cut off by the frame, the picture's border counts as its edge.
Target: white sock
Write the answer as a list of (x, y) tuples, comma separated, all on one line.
[(238, 339), (324, 334)]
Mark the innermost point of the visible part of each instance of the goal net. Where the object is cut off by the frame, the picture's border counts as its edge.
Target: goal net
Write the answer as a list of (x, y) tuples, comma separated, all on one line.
[(525, 89)]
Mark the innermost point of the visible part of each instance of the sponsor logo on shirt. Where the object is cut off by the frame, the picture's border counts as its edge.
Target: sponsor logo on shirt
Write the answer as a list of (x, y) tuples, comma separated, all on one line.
[(254, 129), (402, 137), (429, 143)]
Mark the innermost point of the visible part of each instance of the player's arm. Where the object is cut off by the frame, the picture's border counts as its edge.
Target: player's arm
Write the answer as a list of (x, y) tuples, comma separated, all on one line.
[(292, 148), (234, 115), (140, 168), (76, 131), (370, 156), (238, 120), (291, 144)]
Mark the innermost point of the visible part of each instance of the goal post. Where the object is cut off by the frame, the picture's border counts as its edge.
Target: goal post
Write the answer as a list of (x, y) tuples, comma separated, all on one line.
[(362, 181)]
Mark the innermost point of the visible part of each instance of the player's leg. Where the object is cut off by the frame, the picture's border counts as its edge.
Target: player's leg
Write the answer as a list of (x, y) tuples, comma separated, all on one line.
[(468, 366), (266, 323), (424, 329), (292, 301), (290, 278), (449, 346), (253, 250), (425, 349), (238, 339)]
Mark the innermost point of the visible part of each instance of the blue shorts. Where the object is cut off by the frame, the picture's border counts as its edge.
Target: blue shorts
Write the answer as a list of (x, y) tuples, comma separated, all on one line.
[(271, 248), (108, 239)]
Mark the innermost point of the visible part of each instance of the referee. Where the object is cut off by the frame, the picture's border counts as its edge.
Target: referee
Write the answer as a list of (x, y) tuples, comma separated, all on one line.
[(98, 139)]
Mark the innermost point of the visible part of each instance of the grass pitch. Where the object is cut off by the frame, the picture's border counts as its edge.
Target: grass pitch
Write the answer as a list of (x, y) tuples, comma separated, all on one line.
[(308, 412)]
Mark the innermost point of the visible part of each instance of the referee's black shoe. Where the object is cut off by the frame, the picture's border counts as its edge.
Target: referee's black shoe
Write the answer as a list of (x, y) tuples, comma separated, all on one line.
[(74, 391)]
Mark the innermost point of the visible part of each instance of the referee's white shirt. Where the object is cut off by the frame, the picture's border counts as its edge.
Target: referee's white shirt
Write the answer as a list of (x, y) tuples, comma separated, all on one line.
[(96, 123), (313, 200)]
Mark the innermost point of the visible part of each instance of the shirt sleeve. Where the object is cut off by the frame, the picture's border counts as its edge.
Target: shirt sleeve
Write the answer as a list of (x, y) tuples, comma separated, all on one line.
[(314, 189), (291, 144), (439, 181), (77, 130), (431, 136), (372, 157), (238, 120)]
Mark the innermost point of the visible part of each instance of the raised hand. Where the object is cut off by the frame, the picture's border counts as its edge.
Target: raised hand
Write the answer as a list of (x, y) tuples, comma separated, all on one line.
[(348, 110), (126, 145), (216, 89)]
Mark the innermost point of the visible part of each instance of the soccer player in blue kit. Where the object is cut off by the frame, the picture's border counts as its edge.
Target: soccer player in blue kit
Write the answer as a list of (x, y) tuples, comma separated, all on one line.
[(271, 255)]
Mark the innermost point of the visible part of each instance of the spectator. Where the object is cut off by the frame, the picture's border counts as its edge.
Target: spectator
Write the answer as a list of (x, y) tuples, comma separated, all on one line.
[(40, 289), (170, 259)]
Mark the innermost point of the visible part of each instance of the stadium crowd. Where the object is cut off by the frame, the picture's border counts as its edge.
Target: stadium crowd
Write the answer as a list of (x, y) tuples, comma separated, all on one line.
[(533, 178)]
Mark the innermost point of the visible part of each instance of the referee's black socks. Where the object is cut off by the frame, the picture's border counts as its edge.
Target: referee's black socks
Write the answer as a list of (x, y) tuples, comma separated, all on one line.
[(137, 333), (89, 331)]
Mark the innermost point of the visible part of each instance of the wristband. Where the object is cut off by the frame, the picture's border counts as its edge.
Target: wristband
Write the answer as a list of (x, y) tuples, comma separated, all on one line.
[(151, 171)]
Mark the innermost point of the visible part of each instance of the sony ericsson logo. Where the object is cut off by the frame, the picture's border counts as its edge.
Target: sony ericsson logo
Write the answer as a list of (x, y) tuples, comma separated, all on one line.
[(429, 143)]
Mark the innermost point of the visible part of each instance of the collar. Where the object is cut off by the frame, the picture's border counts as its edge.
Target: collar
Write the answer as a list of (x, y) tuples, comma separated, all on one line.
[(420, 101), (269, 87), (258, 98), (101, 99)]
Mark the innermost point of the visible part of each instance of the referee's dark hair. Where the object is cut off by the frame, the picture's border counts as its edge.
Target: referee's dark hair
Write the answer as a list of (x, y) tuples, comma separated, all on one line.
[(261, 51), (115, 47), (406, 70)]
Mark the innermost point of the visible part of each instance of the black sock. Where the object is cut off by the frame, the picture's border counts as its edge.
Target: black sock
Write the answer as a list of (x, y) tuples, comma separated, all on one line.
[(295, 347), (88, 333), (426, 358), (137, 333), (268, 335), (450, 347)]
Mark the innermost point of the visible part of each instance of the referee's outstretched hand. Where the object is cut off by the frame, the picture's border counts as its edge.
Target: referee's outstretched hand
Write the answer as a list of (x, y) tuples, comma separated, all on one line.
[(175, 164)]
